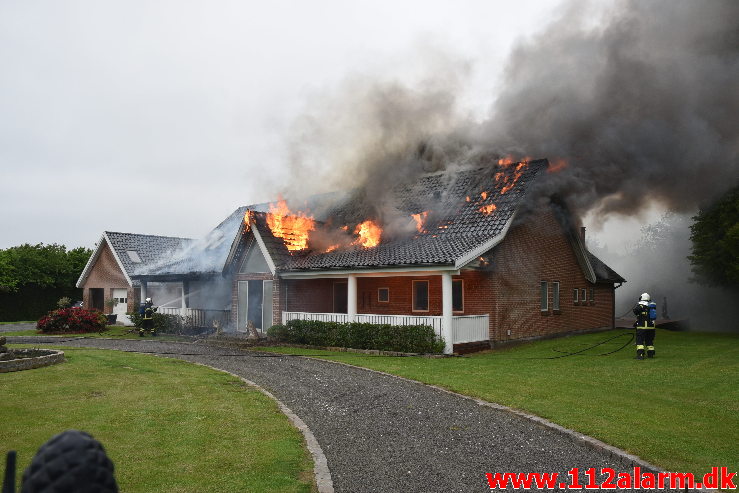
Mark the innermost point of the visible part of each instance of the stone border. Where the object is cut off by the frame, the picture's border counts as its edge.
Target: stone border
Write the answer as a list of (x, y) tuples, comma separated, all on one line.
[(572, 434), (19, 364), (321, 472)]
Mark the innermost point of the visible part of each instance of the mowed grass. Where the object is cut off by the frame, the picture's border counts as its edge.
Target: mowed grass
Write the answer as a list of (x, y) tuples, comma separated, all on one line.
[(167, 425), (111, 331), (679, 411)]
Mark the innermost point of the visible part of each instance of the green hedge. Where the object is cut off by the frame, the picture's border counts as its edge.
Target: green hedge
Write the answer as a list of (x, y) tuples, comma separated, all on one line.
[(402, 338)]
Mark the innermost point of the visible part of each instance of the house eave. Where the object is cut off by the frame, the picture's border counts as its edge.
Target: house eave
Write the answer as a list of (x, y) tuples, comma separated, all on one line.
[(94, 258), (399, 271), (485, 247)]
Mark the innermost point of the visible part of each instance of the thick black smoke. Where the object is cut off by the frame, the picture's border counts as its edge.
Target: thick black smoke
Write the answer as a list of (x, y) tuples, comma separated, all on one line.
[(641, 99)]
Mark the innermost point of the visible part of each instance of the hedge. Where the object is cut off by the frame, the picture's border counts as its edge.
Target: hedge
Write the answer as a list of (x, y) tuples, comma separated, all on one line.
[(385, 337)]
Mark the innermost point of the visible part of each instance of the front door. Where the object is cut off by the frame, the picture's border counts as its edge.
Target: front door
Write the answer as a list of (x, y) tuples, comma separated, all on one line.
[(121, 296), (251, 298)]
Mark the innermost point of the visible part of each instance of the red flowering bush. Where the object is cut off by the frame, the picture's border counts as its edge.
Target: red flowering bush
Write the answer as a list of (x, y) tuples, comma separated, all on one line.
[(72, 321)]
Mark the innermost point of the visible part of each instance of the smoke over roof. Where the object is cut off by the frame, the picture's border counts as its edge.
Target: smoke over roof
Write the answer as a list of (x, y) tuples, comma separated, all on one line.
[(639, 98), (643, 105)]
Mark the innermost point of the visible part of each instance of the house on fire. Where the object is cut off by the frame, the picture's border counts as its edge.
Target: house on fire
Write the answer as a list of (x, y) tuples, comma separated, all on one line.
[(182, 275), (467, 252), (481, 264)]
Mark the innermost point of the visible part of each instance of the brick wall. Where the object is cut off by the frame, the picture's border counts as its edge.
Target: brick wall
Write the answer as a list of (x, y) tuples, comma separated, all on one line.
[(106, 274), (538, 250)]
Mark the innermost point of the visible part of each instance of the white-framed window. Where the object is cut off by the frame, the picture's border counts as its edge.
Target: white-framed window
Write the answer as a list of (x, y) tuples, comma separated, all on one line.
[(420, 296), (575, 292), (544, 293), (592, 295), (583, 295), (383, 295), (458, 295), (555, 295)]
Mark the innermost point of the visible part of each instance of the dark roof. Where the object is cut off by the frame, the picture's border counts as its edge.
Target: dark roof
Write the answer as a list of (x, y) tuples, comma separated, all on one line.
[(455, 225), (603, 273), (152, 250)]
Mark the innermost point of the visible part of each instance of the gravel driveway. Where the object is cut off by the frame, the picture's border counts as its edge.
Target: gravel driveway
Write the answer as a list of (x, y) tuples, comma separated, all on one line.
[(385, 434)]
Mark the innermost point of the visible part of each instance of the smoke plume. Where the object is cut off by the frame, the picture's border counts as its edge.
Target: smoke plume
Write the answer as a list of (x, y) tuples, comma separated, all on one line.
[(640, 98)]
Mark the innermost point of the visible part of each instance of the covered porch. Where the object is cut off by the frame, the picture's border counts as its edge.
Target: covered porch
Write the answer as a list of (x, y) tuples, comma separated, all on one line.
[(403, 296), (464, 328)]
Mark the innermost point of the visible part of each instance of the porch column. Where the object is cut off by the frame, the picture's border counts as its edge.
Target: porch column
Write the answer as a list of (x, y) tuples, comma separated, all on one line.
[(351, 294), (143, 294), (447, 331), (183, 303)]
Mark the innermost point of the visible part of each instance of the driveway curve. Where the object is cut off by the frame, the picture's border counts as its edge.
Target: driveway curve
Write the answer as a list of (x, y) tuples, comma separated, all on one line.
[(386, 434)]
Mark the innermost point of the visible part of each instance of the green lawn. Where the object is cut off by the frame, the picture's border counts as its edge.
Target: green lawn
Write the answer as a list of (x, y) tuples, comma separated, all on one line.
[(168, 425), (679, 411), (111, 331)]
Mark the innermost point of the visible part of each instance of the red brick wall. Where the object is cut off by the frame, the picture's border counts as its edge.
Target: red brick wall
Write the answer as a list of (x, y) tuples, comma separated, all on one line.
[(106, 274), (534, 251)]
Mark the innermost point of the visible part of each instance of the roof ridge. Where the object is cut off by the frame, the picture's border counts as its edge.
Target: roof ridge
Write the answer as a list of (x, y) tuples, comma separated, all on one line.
[(150, 236)]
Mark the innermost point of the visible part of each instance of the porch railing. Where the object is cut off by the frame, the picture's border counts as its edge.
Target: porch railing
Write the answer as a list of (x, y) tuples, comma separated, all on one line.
[(197, 317), (465, 328)]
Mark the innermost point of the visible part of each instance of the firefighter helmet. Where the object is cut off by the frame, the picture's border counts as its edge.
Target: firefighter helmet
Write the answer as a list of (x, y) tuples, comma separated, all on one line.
[(148, 300), (645, 297)]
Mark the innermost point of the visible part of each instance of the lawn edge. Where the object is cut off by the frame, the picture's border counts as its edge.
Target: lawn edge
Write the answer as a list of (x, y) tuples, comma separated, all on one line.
[(576, 436), (321, 472)]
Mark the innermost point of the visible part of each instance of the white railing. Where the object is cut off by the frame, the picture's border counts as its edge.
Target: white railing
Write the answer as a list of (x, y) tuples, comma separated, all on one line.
[(197, 317), (466, 328), (470, 328)]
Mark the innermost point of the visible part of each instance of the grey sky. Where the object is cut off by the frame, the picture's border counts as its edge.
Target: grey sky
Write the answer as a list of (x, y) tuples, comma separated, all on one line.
[(162, 117)]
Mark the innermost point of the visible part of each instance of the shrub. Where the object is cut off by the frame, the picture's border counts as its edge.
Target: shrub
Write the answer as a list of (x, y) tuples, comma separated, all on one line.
[(64, 302), (403, 338), (167, 324), (72, 321)]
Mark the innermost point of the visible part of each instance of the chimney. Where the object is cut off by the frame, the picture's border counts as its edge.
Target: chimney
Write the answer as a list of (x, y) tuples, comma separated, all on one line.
[(582, 234)]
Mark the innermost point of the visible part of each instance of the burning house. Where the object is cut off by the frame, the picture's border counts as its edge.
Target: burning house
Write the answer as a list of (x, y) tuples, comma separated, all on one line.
[(470, 251), (182, 275), (464, 251)]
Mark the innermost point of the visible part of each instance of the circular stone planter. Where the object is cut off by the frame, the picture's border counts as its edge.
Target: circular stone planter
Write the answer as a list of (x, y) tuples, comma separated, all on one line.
[(27, 359)]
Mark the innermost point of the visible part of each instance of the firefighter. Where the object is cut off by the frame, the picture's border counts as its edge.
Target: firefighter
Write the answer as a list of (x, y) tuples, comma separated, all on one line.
[(646, 313), (147, 312)]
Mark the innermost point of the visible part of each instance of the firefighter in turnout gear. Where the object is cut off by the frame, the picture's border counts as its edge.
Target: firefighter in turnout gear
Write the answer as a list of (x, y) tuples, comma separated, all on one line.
[(646, 314), (147, 312)]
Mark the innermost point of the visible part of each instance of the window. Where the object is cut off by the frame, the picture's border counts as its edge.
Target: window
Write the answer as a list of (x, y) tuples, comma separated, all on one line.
[(383, 295), (134, 256), (458, 295), (555, 295), (592, 295), (420, 296), (574, 295), (583, 295), (544, 297)]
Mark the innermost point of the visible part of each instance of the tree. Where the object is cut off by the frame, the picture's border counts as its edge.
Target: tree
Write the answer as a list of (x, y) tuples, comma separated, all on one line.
[(47, 266), (715, 237)]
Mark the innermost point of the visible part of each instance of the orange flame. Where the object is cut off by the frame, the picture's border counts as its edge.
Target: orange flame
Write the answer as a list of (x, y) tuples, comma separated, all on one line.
[(484, 195), (420, 218), (331, 248), (509, 182), (488, 209), (557, 165), (369, 234), (293, 228)]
